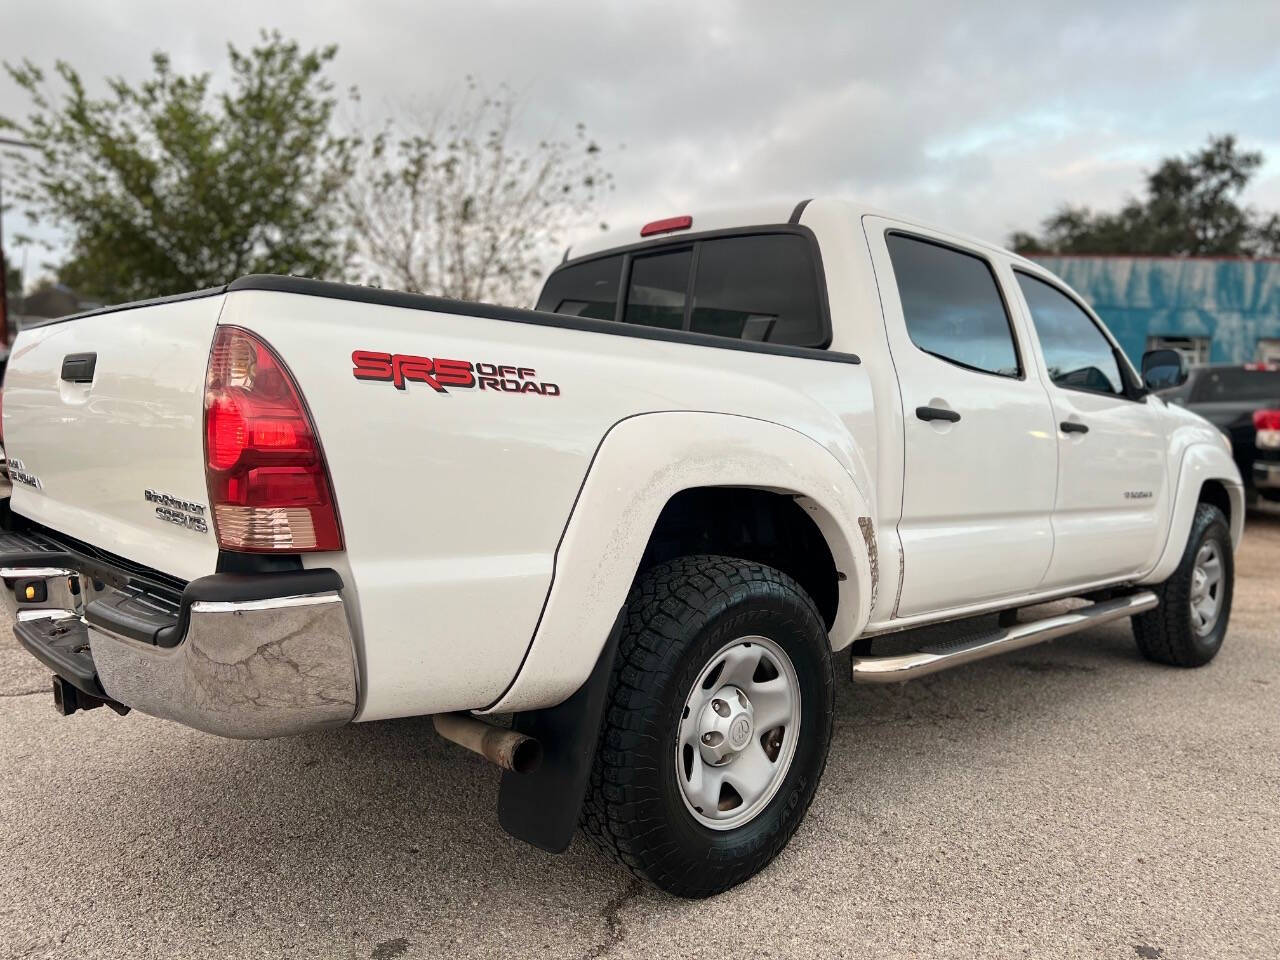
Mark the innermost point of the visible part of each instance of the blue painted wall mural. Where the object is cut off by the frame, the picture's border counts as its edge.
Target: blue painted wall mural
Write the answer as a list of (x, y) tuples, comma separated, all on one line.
[(1233, 302)]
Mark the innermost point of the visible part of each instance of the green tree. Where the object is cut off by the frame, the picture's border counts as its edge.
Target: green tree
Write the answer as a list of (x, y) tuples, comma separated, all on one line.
[(167, 186), (1191, 207)]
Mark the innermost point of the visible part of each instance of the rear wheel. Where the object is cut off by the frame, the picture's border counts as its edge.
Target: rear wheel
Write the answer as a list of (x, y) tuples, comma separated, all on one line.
[(717, 726), (1188, 627)]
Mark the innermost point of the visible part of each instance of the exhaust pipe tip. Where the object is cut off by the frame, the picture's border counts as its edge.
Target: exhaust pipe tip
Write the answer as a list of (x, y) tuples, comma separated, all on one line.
[(526, 756), (508, 749)]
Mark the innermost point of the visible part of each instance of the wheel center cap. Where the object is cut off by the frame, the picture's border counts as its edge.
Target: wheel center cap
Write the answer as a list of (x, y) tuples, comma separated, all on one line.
[(726, 725)]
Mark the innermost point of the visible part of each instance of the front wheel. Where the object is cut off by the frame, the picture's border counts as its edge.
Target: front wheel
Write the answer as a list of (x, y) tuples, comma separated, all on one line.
[(717, 726), (1188, 627)]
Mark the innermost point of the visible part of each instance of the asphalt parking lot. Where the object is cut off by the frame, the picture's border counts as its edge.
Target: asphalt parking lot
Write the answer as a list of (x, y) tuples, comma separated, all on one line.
[(1067, 800)]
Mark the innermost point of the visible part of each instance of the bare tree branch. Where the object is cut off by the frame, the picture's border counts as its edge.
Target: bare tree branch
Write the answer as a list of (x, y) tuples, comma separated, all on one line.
[(456, 204)]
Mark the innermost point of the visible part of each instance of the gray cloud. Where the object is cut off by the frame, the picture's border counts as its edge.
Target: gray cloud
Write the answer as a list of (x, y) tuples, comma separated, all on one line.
[(982, 117)]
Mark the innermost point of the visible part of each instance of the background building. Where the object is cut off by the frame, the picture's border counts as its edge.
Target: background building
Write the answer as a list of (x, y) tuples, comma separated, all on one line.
[(1211, 310)]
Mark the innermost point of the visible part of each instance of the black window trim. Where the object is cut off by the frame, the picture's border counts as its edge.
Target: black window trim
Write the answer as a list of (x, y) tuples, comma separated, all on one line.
[(1134, 391), (693, 241), (995, 278)]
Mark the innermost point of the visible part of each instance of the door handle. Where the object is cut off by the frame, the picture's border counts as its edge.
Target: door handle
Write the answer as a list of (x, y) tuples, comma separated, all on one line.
[(79, 367), (1070, 426), (937, 413)]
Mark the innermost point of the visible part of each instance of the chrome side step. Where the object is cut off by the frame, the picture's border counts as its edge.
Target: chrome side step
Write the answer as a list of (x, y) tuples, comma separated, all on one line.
[(932, 659)]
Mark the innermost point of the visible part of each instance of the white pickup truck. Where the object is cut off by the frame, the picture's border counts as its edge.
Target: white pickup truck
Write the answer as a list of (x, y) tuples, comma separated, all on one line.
[(642, 519)]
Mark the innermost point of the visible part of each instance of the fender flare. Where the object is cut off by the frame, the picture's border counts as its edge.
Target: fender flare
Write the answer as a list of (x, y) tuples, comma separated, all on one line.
[(641, 463), (1201, 462)]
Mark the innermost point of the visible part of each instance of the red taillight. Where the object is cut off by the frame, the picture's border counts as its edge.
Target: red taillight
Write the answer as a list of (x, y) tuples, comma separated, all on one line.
[(268, 484), (1266, 419), (666, 226)]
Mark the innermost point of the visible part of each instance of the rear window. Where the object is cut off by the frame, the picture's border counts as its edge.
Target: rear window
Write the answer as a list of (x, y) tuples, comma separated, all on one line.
[(1224, 384), (586, 290), (761, 287), (656, 292)]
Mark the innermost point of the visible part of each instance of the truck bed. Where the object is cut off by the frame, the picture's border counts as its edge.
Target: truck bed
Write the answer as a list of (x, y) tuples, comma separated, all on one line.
[(453, 496)]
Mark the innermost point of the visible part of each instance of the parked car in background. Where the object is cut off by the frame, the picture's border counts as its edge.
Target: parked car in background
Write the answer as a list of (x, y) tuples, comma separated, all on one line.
[(1242, 401), (643, 519), (1266, 468)]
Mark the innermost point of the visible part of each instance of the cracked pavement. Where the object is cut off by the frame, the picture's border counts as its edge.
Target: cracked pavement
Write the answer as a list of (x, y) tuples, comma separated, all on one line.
[(1066, 800)]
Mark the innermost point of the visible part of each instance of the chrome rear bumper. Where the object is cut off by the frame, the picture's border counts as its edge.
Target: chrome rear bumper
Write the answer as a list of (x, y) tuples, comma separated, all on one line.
[(233, 656), (254, 669)]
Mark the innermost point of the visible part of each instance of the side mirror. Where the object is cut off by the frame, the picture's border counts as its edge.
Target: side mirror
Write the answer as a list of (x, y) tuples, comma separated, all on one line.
[(1162, 369)]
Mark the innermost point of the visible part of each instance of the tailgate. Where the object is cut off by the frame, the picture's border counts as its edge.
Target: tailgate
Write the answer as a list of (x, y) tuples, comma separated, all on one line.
[(103, 427)]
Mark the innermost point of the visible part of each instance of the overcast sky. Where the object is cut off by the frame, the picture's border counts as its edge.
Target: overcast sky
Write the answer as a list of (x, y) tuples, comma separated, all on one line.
[(979, 117)]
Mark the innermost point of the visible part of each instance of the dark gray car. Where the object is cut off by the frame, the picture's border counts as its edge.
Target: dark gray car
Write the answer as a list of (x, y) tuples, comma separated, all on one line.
[(1227, 396)]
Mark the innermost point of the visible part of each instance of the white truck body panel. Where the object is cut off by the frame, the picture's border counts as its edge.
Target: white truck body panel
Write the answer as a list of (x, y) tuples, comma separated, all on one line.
[(96, 449), (988, 479), (1095, 532), (643, 462), (490, 536), (478, 578)]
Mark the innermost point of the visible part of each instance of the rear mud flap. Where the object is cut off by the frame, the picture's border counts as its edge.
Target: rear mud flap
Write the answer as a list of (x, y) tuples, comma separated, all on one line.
[(542, 808)]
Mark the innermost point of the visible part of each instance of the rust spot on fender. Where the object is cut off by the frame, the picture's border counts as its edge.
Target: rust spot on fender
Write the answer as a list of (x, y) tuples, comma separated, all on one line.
[(873, 555)]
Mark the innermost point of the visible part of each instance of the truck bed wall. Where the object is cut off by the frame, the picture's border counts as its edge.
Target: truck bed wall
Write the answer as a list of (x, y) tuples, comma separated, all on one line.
[(453, 503)]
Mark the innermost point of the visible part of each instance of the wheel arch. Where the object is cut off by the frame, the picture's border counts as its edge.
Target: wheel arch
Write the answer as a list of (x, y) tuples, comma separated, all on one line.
[(763, 526), (1207, 475), (1215, 493), (651, 476)]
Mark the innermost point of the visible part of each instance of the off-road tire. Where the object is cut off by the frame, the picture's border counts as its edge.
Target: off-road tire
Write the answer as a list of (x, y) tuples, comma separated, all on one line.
[(678, 615), (1165, 634)]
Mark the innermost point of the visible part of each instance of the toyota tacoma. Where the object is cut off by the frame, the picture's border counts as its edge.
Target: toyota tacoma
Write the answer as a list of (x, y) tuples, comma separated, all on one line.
[(614, 543)]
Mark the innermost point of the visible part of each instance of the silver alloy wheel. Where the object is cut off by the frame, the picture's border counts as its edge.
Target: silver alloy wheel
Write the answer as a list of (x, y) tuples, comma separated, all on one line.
[(738, 732), (1206, 589)]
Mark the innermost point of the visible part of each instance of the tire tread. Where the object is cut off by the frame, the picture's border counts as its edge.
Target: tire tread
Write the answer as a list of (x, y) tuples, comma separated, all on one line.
[(1164, 634), (667, 603)]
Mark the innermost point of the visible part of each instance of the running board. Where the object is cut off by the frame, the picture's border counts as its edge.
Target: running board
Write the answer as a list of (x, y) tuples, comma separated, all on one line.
[(944, 656)]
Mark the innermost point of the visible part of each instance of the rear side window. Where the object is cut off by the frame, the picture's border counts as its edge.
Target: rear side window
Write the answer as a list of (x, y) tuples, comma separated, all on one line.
[(763, 287), (1075, 351), (952, 306), (758, 288), (587, 290)]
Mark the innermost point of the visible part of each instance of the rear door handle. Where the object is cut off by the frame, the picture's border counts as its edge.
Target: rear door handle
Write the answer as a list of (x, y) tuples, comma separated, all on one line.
[(79, 367), (1070, 426), (937, 413)]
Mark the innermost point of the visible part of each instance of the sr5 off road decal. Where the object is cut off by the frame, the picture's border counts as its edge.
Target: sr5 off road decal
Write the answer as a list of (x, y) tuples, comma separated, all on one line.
[(441, 374)]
